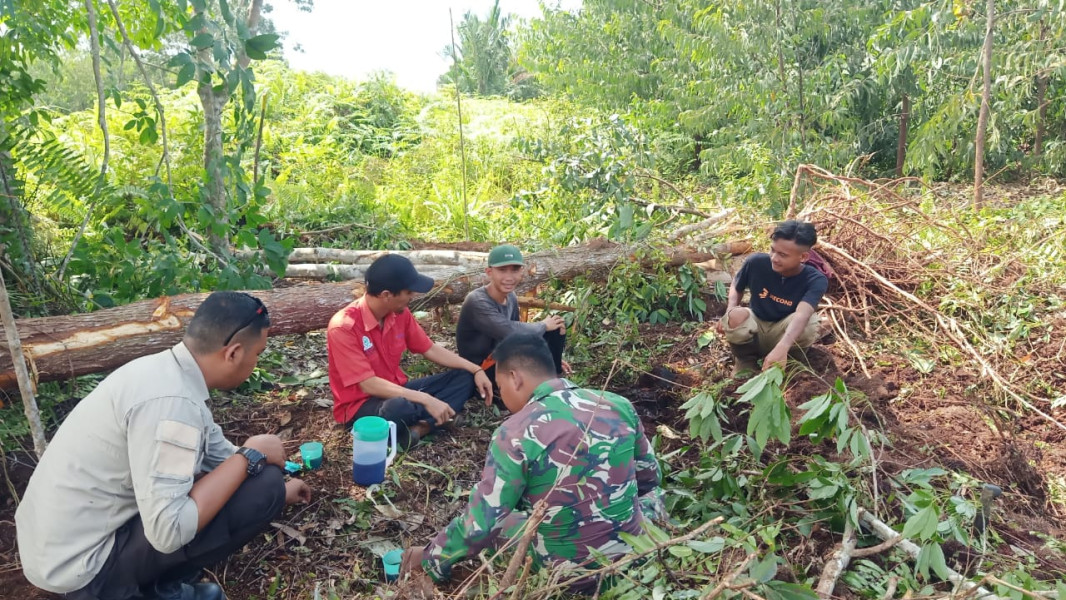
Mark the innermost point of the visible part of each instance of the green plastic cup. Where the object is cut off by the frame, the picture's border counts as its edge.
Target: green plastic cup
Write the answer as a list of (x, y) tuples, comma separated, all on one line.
[(311, 452), (391, 561)]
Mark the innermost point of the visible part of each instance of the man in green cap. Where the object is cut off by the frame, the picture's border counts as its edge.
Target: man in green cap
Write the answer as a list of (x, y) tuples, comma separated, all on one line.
[(490, 313)]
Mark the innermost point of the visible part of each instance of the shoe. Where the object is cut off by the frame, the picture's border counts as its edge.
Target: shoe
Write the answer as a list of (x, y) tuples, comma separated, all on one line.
[(746, 357), (176, 590), (406, 437), (455, 423)]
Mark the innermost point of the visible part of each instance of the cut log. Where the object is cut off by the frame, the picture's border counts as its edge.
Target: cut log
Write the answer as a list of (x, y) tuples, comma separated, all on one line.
[(67, 346), (682, 231), (334, 264), (365, 257), (331, 272)]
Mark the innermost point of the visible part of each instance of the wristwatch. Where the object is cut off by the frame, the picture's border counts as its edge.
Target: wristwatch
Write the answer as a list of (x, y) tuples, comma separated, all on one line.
[(256, 460)]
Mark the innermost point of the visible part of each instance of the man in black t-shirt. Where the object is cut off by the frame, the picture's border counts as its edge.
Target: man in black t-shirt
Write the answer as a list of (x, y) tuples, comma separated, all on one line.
[(785, 292)]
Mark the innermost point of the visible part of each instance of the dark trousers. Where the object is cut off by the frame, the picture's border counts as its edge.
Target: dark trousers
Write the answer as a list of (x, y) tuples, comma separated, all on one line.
[(556, 344), (134, 563), (453, 387)]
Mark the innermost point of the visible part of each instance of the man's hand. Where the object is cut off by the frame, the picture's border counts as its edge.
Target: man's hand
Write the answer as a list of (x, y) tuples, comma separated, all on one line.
[(439, 410), (412, 561), (567, 369), (776, 357), (720, 325), (553, 322), (484, 386), (297, 492), (270, 446)]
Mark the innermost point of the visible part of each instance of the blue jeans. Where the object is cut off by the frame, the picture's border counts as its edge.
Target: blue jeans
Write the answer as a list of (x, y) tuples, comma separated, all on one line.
[(453, 387)]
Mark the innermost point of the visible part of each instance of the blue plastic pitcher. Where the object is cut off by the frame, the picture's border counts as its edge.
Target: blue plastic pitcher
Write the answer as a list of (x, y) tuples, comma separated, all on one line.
[(371, 451)]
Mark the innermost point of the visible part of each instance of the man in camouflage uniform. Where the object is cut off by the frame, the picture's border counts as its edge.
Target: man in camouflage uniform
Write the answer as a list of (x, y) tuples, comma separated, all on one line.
[(581, 451)]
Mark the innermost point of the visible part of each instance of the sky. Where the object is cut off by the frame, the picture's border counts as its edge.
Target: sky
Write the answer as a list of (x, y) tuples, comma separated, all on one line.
[(353, 38)]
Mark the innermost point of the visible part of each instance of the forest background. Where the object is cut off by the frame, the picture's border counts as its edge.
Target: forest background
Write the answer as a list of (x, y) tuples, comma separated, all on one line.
[(143, 143)]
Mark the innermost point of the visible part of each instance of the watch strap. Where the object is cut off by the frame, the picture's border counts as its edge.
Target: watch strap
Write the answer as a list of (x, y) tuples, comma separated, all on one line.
[(256, 460)]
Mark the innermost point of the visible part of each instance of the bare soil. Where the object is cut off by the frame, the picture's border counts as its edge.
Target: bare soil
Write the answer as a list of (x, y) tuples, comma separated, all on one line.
[(929, 419)]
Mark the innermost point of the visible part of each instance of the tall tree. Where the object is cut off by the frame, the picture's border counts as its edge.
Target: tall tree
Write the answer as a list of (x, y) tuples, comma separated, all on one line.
[(33, 33), (482, 58), (222, 44), (210, 42), (986, 100)]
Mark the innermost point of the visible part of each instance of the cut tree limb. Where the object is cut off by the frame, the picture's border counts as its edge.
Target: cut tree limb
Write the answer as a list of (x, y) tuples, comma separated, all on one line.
[(67, 346), (729, 582), (334, 263), (681, 232), (883, 531), (521, 552), (365, 257), (835, 566), (950, 327), (530, 302), (319, 272), (26, 387)]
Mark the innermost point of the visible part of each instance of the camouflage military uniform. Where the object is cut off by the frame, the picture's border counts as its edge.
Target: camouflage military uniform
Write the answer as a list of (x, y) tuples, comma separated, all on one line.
[(585, 454)]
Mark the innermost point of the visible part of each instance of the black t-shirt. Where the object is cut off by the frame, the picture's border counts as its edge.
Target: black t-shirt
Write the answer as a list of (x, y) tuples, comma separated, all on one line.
[(774, 297)]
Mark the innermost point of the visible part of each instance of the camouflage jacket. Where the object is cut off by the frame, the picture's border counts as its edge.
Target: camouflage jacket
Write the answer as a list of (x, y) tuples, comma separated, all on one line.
[(585, 454)]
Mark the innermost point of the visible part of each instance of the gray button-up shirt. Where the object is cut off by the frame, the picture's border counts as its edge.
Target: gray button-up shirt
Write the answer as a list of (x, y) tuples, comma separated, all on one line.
[(132, 446)]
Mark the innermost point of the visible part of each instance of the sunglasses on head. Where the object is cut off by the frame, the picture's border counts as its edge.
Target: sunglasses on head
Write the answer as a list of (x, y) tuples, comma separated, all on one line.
[(260, 310)]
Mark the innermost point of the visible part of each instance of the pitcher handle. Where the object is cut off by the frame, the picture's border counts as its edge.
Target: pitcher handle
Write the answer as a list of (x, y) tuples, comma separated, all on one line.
[(392, 445)]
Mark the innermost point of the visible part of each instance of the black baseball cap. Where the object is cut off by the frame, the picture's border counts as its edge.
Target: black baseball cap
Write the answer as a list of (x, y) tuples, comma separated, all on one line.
[(395, 273)]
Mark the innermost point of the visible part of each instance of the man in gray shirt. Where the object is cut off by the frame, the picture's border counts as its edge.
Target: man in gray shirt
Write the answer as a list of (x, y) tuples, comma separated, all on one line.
[(490, 313), (139, 490)]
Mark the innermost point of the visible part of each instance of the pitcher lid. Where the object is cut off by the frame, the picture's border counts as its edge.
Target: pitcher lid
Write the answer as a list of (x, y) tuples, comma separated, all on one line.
[(371, 429)]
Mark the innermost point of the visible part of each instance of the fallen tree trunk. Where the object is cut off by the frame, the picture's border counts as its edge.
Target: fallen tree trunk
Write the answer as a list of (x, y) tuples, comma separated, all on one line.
[(334, 272), (67, 346), (365, 257), (331, 264)]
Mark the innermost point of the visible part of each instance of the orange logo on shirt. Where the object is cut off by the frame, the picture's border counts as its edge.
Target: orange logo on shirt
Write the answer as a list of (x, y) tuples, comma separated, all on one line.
[(765, 293)]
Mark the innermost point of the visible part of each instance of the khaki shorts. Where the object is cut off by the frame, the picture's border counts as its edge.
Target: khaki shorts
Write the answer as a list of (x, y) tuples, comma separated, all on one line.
[(768, 333)]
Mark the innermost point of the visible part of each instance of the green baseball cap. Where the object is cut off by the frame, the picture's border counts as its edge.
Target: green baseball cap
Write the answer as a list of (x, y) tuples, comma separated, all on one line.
[(504, 255)]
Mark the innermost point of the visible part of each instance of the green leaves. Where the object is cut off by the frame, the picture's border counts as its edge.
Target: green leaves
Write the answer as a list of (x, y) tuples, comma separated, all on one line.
[(711, 546), (922, 524), (258, 46), (827, 416), (482, 61), (275, 252), (932, 557), (780, 590), (202, 40), (227, 15), (764, 570), (702, 411), (770, 417)]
